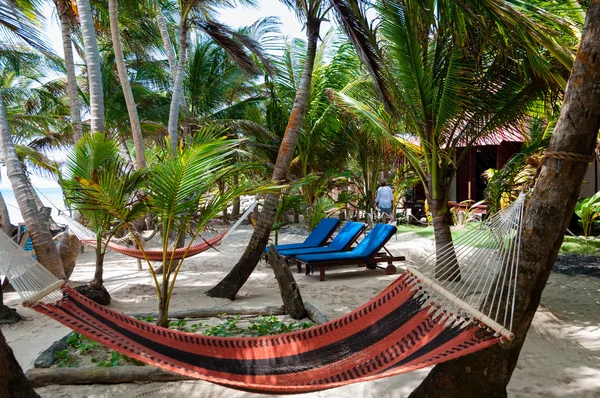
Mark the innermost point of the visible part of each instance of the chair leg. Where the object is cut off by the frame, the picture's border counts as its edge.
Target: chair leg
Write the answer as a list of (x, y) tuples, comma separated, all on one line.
[(321, 273), (299, 265), (390, 269)]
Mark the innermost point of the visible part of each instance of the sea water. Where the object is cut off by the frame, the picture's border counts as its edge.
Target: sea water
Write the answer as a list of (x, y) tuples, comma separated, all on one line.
[(51, 197)]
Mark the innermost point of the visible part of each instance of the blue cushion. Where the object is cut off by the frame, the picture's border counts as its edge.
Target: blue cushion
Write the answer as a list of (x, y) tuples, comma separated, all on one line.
[(368, 247), (317, 237), (343, 239)]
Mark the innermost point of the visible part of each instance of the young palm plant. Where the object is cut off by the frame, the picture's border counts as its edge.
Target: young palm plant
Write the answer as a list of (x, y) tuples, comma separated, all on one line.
[(179, 191), (101, 185)]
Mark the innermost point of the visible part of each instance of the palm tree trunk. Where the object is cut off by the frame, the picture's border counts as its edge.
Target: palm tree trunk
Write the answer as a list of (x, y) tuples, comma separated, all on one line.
[(5, 224), (92, 59), (38, 228), (164, 35), (74, 102), (547, 216), (13, 381), (240, 273), (134, 120), (446, 262), (235, 210), (173, 127)]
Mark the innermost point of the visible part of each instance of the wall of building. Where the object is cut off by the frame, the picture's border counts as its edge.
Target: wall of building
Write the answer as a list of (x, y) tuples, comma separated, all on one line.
[(591, 181)]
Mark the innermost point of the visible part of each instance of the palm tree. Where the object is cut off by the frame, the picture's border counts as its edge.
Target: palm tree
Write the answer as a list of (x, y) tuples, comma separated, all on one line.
[(198, 14), (548, 213), (443, 77), (95, 167), (66, 17), (24, 31), (136, 128), (180, 190), (312, 12), (93, 65)]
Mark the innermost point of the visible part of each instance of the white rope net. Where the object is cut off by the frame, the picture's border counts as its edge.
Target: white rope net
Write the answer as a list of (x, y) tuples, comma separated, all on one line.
[(84, 233), (27, 276), (475, 276)]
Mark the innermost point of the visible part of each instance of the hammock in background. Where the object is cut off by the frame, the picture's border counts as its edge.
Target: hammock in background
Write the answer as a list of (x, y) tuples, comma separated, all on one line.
[(88, 237), (415, 322)]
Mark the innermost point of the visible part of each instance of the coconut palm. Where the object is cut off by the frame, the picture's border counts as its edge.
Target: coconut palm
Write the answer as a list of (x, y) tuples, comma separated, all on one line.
[(93, 65), (67, 17), (94, 167), (134, 120), (198, 14), (443, 77), (19, 30), (312, 12), (180, 190), (489, 371)]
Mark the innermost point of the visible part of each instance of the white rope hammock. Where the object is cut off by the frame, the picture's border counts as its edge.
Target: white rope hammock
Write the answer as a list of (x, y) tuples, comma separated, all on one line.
[(474, 277), (88, 236), (483, 285)]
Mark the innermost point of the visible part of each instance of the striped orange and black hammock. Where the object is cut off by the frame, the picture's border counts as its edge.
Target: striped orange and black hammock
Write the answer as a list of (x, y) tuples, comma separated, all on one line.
[(457, 301), (394, 333), (157, 255)]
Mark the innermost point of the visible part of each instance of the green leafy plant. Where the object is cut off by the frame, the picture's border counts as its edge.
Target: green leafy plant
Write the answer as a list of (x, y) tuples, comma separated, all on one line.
[(81, 343), (267, 325), (179, 325), (64, 359), (588, 210), (227, 328)]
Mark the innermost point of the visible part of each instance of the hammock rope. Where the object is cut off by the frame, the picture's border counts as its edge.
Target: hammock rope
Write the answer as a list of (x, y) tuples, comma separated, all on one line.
[(88, 237), (452, 303)]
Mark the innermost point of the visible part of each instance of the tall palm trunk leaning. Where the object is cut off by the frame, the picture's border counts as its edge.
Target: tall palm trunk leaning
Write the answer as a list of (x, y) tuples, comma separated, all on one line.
[(73, 92), (37, 224), (92, 60), (548, 213), (134, 120), (240, 273)]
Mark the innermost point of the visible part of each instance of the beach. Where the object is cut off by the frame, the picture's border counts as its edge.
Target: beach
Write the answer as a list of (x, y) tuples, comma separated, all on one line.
[(561, 356)]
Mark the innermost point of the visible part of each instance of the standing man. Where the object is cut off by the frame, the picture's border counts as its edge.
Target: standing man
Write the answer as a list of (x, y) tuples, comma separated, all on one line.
[(384, 199)]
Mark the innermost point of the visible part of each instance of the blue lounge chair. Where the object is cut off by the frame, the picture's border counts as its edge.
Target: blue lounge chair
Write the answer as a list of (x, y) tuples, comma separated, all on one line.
[(317, 237), (343, 241), (366, 254)]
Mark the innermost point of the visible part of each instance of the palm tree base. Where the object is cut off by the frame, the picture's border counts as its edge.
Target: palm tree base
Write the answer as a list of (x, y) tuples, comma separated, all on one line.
[(100, 296)]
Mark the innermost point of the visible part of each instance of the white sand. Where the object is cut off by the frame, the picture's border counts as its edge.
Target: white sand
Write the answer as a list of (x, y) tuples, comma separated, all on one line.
[(561, 357)]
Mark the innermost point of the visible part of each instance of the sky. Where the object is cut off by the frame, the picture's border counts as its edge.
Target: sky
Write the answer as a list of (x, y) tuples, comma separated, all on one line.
[(237, 17)]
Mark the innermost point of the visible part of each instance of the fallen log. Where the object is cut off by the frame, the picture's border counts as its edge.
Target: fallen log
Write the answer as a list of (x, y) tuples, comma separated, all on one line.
[(99, 375), (215, 311)]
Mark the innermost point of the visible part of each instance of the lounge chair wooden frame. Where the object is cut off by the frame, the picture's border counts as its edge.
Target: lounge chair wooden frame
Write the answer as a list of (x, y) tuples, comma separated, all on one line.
[(380, 257)]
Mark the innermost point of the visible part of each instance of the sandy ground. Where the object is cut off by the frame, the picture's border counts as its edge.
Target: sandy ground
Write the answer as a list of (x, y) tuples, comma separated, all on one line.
[(561, 357)]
